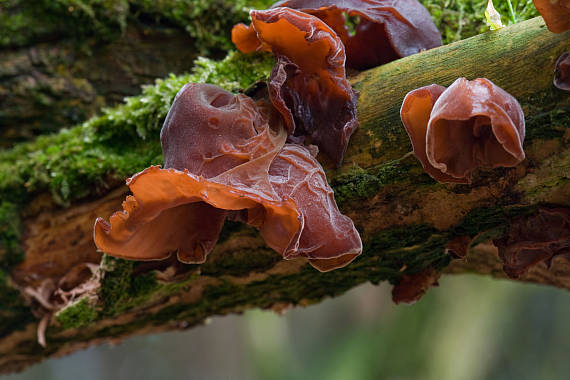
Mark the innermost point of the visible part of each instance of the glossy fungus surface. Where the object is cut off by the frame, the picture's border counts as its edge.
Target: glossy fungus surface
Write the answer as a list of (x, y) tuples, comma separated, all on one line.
[(217, 150), (534, 239), (308, 84), (556, 14), (471, 124), (328, 238), (387, 30), (562, 72), (223, 160)]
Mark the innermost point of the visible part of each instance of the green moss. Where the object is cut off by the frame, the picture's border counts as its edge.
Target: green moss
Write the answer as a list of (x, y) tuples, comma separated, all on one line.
[(120, 290), (460, 19), (11, 252), (358, 184), (492, 220), (78, 314), (355, 184), (81, 161), (240, 262), (14, 314), (549, 123), (208, 22)]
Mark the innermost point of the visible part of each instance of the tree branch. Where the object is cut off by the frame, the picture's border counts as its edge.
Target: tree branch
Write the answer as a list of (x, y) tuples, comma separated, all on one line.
[(406, 220)]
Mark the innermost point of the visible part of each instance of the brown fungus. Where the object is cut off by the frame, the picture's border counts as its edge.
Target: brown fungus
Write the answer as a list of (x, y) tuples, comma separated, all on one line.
[(328, 238), (220, 157), (387, 30), (471, 124), (217, 150), (562, 72), (556, 14), (412, 287), (534, 239), (308, 84)]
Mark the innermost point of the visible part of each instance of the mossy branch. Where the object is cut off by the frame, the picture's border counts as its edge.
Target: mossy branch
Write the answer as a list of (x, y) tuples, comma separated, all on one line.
[(406, 220)]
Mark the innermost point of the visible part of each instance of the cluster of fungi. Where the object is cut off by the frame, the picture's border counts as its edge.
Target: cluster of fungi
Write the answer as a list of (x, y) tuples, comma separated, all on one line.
[(252, 159)]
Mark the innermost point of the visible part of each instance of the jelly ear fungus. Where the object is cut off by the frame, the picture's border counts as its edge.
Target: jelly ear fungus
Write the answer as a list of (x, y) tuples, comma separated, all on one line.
[(223, 159), (308, 84), (386, 31), (471, 124)]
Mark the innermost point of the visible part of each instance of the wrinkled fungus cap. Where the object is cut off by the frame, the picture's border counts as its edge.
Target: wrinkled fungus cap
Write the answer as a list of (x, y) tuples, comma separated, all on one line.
[(308, 85), (388, 29), (217, 149), (556, 14), (562, 72), (471, 124), (223, 160), (328, 238)]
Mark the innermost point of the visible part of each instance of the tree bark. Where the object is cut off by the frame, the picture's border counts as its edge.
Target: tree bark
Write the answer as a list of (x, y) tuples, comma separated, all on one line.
[(406, 220)]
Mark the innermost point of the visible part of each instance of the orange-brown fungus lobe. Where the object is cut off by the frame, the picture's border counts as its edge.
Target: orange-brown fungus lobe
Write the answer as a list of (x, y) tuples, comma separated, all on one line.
[(562, 72), (471, 124), (328, 238), (556, 14), (223, 160), (388, 29), (308, 85), (532, 239), (217, 149)]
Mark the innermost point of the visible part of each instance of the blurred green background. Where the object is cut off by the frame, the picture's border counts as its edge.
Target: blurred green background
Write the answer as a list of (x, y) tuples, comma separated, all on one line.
[(469, 328)]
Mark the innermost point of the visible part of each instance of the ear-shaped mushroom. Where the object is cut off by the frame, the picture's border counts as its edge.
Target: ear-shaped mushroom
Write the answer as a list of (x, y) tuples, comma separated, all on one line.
[(308, 84), (218, 147), (556, 14), (387, 30), (471, 124), (328, 238), (533, 239), (415, 113), (221, 155), (562, 72)]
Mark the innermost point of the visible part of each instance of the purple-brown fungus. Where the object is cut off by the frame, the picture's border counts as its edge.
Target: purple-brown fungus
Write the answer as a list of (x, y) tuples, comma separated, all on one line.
[(308, 84), (412, 287), (328, 238), (387, 30), (534, 239), (208, 133), (469, 125), (562, 72), (223, 158)]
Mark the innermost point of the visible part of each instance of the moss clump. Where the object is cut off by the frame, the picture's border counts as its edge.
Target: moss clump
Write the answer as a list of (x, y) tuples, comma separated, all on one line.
[(460, 19), (547, 123), (208, 22), (120, 290), (83, 160), (78, 314), (355, 184), (11, 252), (240, 262), (14, 314)]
